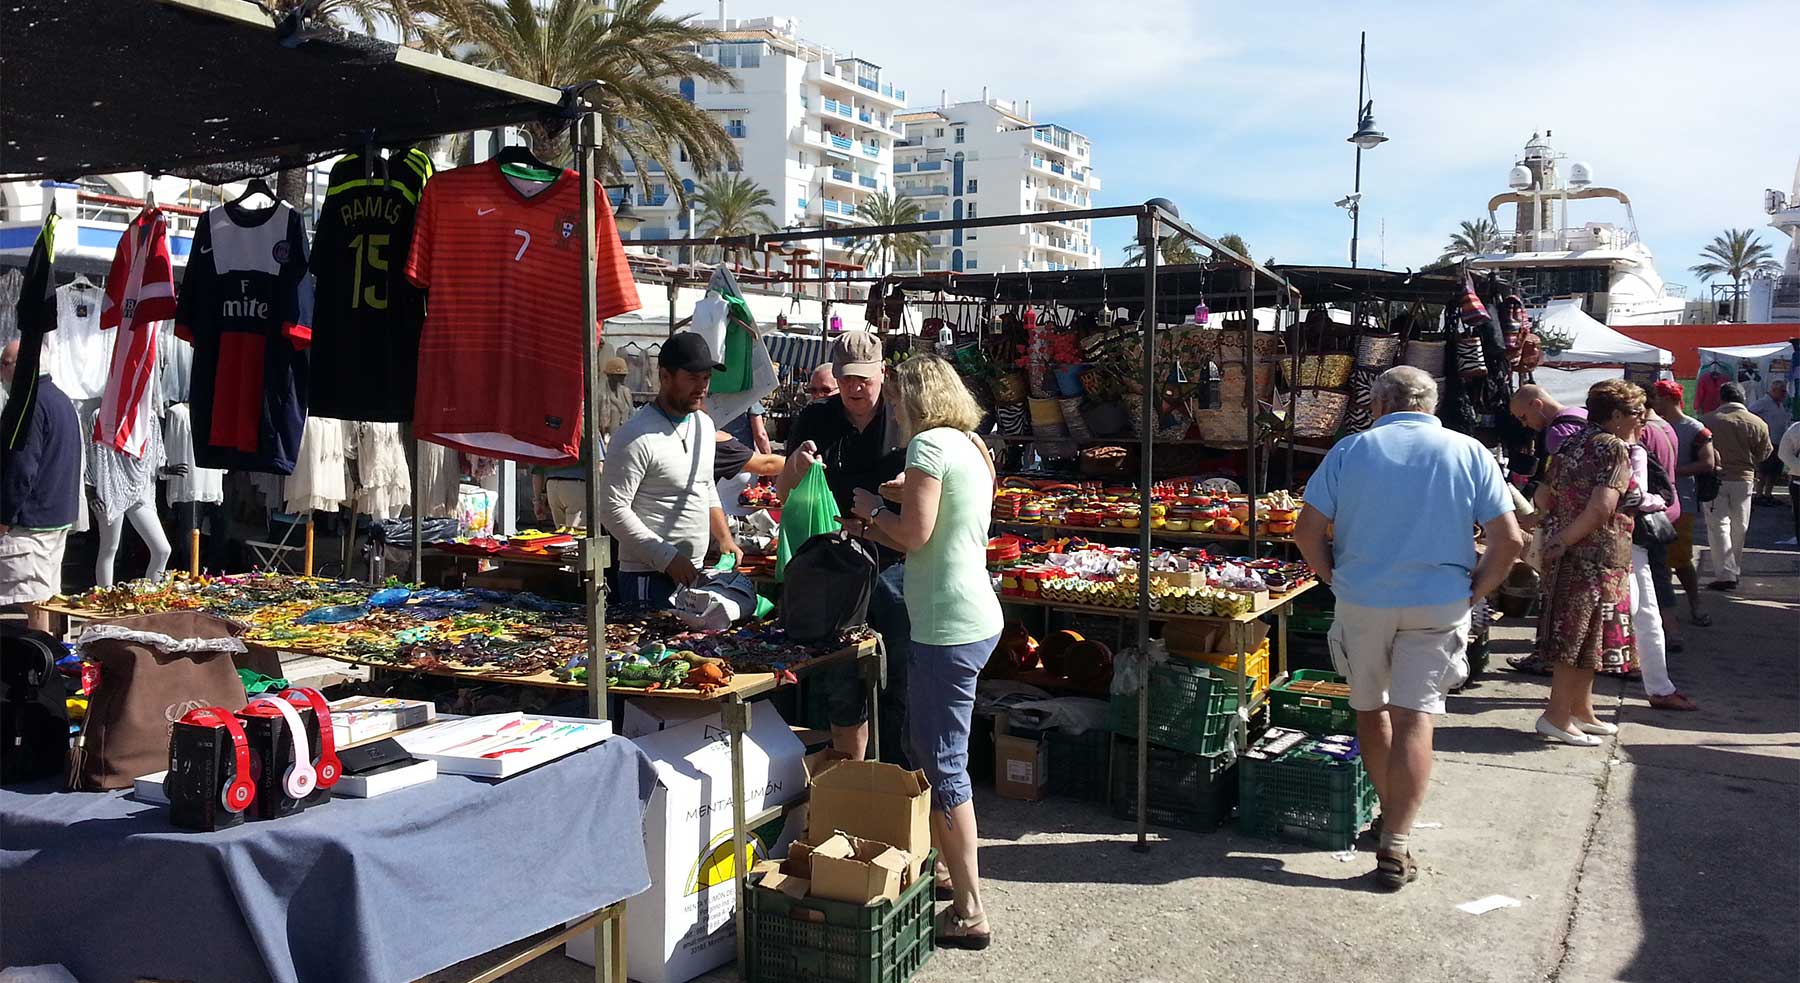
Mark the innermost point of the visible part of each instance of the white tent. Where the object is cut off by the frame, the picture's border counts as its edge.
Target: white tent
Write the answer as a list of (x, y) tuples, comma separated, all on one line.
[(1595, 343), (1753, 366)]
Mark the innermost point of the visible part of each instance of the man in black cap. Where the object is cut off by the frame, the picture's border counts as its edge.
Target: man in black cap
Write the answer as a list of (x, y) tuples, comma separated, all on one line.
[(658, 497)]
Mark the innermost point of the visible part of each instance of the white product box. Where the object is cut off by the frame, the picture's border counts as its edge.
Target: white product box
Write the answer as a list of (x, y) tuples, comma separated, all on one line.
[(682, 926), (648, 714)]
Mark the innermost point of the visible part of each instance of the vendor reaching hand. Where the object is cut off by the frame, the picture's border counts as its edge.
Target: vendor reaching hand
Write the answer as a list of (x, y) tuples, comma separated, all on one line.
[(658, 496)]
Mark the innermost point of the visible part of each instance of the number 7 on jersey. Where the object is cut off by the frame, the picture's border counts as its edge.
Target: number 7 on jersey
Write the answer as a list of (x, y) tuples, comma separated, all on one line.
[(526, 244)]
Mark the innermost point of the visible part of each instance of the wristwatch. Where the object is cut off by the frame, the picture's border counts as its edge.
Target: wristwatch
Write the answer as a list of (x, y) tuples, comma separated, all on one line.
[(877, 510)]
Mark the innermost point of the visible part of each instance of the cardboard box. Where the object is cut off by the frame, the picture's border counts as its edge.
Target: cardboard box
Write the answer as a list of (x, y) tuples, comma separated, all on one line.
[(772, 874), (845, 868), (648, 715), (1021, 764), (682, 926), (872, 800)]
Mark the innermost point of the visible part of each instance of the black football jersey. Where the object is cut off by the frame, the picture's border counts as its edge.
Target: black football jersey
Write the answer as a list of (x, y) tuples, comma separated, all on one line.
[(367, 314)]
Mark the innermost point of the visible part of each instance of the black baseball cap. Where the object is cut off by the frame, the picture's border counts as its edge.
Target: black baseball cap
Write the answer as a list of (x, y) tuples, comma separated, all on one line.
[(689, 351)]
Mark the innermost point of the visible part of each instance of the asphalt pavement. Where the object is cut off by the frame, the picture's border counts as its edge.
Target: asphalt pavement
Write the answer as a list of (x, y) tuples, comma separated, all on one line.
[(1668, 855)]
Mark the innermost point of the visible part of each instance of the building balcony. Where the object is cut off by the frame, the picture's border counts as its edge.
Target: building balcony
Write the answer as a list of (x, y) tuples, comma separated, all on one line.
[(847, 77), (925, 191), (867, 182), (840, 143), (1054, 195), (931, 216), (836, 108)]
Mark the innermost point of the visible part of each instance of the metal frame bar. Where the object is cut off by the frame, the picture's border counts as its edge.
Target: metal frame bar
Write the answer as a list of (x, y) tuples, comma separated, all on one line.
[(608, 926)]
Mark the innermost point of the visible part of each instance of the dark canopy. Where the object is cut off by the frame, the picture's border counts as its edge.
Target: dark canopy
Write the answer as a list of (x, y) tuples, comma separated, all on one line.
[(209, 89)]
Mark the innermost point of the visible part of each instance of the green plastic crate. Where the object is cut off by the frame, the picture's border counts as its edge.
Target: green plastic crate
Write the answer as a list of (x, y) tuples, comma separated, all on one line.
[(1308, 712), (1187, 791), (1079, 764), (1191, 708), (1305, 797), (813, 940)]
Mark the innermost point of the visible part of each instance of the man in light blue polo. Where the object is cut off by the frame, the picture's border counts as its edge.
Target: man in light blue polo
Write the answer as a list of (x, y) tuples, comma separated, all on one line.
[(1402, 500)]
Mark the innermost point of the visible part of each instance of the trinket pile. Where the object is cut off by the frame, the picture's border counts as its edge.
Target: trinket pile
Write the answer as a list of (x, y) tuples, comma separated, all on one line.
[(495, 633)]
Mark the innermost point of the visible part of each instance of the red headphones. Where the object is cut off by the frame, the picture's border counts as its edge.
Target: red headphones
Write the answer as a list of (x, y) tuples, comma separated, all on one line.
[(240, 791), (328, 766)]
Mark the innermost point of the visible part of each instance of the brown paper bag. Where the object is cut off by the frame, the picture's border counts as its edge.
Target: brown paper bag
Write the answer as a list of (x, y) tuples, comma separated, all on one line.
[(154, 668)]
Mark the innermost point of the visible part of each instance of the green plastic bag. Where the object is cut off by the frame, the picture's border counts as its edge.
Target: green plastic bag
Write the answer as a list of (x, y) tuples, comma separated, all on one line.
[(810, 509)]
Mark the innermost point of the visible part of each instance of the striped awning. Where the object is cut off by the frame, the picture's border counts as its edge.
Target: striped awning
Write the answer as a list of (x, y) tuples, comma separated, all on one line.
[(796, 354)]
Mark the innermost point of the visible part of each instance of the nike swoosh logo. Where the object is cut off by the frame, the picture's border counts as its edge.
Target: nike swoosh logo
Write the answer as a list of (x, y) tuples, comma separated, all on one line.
[(206, 249), (484, 211)]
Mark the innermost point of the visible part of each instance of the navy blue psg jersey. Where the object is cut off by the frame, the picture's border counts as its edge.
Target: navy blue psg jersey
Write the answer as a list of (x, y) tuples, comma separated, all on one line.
[(246, 306), (367, 314)]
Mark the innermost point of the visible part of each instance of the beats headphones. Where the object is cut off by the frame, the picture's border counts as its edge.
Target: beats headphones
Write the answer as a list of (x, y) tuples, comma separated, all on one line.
[(328, 766), (300, 778), (240, 791)]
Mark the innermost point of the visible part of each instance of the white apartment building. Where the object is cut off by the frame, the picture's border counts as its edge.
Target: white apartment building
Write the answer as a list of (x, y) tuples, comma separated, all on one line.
[(987, 158), (815, 129)]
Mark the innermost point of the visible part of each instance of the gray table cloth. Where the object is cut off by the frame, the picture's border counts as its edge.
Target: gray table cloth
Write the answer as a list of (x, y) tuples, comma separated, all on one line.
[(356, 891)]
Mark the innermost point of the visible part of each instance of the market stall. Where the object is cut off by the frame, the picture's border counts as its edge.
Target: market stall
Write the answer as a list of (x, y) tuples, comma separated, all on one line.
[(252, 98)]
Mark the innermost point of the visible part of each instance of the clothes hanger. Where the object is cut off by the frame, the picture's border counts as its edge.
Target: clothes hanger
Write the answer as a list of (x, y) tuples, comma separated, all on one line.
[(521, 163), (256, 185)]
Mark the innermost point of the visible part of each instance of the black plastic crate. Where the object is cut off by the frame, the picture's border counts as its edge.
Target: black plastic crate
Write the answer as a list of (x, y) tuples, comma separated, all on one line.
[(1079, 764), (1187, 791), (813, 940)]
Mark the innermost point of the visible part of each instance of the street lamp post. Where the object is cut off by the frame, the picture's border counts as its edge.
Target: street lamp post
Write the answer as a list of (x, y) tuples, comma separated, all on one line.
[(1366, 137)]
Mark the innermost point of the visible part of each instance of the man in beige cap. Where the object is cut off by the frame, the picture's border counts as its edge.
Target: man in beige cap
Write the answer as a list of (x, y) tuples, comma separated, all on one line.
[(854, 434)]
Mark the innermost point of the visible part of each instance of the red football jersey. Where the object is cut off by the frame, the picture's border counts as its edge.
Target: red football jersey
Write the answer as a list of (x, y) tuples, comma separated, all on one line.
[(500, 356)]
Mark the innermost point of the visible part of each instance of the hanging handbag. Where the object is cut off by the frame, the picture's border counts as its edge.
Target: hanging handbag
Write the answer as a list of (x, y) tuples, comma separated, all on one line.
[(1654, 528)]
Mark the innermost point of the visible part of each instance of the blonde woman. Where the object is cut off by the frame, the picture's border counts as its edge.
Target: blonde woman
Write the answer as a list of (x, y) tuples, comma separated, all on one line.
[(946, 500)]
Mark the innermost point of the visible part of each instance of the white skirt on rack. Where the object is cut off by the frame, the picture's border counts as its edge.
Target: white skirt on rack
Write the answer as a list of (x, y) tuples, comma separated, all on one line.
[(197, 484), (383, 480), (319, 482)]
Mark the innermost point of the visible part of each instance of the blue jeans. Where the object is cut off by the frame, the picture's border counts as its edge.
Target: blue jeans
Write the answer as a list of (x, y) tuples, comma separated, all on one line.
[(940, 698), (646, 588), (847, 700)]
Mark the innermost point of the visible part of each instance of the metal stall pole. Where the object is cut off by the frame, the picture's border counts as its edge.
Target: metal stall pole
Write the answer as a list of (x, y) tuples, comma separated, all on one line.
[(418, 508), (1252, 487), (737, 728), (594, 547), (1149, 233)]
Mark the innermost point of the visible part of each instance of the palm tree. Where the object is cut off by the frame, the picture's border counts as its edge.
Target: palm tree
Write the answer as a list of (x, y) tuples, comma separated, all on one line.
[(732, 205), (889, 251), (637, 52), (1471, 239), (1172, 249), (1737, 254)]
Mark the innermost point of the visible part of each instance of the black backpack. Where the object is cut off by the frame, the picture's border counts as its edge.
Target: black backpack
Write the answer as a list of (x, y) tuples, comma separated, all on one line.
[(827, 587), (34, 717)]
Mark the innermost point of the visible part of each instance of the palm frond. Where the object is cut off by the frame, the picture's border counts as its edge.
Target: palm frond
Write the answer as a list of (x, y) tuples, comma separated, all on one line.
[(889, 251)]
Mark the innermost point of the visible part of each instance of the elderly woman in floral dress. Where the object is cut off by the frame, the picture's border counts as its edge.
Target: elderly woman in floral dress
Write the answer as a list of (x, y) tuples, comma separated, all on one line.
[(1586, 625)]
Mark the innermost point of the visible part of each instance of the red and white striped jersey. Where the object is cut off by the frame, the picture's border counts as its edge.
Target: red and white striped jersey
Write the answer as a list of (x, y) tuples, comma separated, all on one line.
[(140, 291)]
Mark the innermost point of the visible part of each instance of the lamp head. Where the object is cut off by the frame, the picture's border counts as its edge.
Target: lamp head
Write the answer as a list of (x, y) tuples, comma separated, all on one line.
[(1368, 136)]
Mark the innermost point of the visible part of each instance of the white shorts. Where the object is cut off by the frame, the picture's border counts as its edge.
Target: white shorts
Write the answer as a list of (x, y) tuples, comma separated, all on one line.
[(31, 565), (1406, 658), (568, 501)]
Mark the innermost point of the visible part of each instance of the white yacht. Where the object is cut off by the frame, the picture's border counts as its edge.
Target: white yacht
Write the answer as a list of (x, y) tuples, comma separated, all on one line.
[(1776, 299), (1604, 265)]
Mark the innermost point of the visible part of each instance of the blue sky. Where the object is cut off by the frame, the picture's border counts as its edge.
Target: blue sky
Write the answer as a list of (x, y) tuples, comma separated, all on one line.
[(1239, 112)]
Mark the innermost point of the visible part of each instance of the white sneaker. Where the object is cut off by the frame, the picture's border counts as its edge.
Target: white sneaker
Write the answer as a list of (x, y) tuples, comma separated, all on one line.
[(1550, 730)]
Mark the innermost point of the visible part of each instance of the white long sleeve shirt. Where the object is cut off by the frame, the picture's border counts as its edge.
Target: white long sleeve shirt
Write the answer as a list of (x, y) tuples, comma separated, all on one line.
[(1789, 451), (657, 489)]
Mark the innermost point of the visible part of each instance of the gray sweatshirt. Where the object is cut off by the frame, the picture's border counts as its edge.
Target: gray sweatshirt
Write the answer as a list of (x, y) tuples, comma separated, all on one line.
[(657, 490)]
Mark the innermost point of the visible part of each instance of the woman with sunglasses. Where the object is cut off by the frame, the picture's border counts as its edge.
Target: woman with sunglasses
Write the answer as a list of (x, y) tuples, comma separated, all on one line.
[(1586, 624)]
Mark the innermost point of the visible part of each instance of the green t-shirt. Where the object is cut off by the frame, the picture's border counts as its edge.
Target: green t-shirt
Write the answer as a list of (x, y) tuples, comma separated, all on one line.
[(948, 594)]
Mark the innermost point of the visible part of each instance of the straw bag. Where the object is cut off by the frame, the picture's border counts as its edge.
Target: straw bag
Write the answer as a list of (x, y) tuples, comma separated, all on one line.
[(1104, 461), (1319, 412), (1072, 418), (1426, 356), (1322, 371), (1377, 351)]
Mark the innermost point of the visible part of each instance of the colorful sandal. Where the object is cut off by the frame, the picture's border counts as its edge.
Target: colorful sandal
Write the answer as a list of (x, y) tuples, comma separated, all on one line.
[(957, 932)]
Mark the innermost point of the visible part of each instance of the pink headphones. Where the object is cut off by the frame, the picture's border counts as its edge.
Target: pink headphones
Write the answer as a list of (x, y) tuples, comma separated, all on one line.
[(328, 766), (240, 791), (300, 777)]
